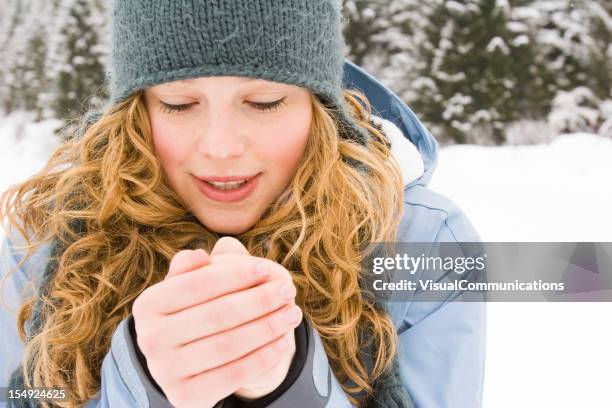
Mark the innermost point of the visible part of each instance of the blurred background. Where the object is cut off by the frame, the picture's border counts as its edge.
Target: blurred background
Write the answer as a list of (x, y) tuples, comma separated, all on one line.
[(517, 92), (476, 71)]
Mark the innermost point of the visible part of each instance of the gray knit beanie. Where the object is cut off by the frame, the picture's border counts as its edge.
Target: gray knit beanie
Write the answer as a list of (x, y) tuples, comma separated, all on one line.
[(296, 42)]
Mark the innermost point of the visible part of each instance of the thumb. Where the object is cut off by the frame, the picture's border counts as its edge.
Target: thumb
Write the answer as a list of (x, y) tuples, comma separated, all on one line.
[(229, 245), (186, 261)]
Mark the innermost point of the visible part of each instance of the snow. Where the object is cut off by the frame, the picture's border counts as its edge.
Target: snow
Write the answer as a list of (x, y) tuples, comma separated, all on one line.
[(538, 354), (497, 43), (24, 146), (456, 7), (577, 109), (555, 192)]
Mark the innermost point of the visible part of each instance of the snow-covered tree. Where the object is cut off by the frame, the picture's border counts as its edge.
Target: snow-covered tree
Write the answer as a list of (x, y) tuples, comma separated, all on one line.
[(468, 68), (601, 54), (9, 20), (364, 20), (461, 75), (54, 55), (77, 56), (24, 44)]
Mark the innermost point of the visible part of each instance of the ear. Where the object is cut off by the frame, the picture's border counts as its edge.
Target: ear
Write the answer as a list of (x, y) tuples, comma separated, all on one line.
[(229, 245), (187, 260)]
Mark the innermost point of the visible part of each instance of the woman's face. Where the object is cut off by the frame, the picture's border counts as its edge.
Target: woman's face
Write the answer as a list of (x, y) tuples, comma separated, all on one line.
[(212, 128)]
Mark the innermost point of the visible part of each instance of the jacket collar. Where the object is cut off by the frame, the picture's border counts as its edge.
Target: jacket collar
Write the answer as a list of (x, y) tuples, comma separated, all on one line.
[(403, 150), (389, 106)]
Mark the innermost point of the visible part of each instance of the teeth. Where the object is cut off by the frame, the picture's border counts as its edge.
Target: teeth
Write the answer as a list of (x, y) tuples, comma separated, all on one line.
[(227, 186)]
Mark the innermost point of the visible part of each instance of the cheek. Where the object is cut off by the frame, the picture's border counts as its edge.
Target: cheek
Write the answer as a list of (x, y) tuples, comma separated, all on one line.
[(172, 147), (285, 143)]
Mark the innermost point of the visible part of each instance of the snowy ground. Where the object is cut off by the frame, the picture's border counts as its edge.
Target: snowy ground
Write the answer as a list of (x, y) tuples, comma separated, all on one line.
[(24, 147), (558, 192), (538, 354)]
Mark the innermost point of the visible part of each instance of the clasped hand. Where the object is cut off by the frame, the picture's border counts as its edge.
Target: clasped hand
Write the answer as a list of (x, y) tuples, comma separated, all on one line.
[(218, 324)]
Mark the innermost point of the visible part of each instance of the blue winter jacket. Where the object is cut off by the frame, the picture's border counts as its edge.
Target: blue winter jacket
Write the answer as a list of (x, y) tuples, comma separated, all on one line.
[(442, 345)]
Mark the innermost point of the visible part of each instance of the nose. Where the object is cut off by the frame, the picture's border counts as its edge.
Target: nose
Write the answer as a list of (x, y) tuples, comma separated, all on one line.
[(220, 138)]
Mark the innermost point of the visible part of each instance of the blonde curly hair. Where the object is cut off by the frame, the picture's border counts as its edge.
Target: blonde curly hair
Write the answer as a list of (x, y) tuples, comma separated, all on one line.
[(109, 182)]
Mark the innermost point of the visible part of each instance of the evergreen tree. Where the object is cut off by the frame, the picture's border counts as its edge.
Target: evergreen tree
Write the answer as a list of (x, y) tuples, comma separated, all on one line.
[(364, 21), (77, 56), (468, 68), (464, 79), (25, 47), (601, 53)]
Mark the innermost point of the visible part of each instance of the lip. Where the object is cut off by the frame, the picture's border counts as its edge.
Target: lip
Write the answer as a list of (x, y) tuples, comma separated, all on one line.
[(226, 179), (227, 196)]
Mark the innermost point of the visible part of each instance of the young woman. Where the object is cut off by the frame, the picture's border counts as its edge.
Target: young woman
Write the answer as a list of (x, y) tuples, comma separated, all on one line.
[(199, 242)]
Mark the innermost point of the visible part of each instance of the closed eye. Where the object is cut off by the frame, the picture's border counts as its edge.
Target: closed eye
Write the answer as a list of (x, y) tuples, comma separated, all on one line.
[(260, 106), (268, 106), (168, 108)]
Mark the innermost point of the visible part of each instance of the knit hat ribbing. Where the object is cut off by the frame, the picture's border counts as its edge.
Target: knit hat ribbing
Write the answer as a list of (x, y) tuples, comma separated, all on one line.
[(298, 42)]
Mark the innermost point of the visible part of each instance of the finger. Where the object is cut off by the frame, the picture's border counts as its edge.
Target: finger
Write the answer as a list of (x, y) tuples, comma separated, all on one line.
[(186, 261), (209, 282), (230, 311), (228, 245), (225, 380), (235, 343)]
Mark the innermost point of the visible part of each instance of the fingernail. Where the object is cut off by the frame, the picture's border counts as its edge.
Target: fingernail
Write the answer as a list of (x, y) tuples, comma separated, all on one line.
[(282, 344), (262, 269), (292, 315), (287, 291)]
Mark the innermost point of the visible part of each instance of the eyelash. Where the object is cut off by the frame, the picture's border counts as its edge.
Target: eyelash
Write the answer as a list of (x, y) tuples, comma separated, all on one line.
[(260, 106), (167, 108), (268, 107)]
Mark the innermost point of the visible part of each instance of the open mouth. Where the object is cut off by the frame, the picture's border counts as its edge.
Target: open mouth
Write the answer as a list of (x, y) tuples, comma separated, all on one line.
[(227, 191), (230, 185)]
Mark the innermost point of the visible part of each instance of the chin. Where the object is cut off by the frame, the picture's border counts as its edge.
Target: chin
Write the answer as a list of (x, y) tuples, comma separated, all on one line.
[(228, 225)]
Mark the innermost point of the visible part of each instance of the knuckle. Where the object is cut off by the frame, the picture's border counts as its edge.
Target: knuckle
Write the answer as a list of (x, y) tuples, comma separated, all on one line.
[(171, 370), (148, 343), (200, 280), (265, 357), (281, 270), (158, 370), (228, 311), (138, 306), (236, 375), (214, 318), (193, 284), (272, 326), (289, 280), (265, 301), (223, 345), (182, 396)]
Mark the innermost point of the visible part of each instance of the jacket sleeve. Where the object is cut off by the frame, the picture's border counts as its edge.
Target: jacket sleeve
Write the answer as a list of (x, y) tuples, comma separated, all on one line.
[(442, 362), (14, 290)]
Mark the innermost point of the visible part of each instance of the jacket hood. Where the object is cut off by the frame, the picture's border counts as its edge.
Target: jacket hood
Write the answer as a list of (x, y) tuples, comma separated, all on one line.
[(417, 158)]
